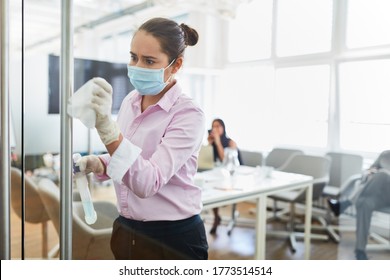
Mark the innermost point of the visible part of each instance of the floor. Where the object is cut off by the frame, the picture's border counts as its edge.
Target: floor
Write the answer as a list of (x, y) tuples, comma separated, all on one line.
[(239, 245)]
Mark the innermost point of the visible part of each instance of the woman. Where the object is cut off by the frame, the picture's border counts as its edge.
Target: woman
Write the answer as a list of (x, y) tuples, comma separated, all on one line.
[(218, 139), (152, 150)]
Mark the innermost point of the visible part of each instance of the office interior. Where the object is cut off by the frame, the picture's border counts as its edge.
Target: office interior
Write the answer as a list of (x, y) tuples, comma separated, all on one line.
[(308, 75)]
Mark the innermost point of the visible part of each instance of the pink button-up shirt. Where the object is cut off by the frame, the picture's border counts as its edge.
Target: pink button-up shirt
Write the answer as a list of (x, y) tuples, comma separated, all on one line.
[(153, 168)]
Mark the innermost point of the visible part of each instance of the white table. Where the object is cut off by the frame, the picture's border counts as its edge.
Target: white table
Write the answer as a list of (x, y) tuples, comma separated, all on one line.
[(247, 184)]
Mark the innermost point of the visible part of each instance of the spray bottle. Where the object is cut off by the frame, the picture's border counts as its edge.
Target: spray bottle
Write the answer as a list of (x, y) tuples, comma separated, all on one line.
[(81, 182)]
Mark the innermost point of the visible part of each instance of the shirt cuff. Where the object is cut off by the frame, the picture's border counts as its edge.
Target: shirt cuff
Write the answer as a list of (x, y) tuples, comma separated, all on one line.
[(122, 159)]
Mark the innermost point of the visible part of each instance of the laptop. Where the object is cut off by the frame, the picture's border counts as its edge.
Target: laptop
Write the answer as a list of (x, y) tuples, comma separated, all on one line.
[(206, 158)]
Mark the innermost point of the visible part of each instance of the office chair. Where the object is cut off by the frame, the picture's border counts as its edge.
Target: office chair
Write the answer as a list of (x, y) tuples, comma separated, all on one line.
[(249, 158), (89, 241), (206, 158), (345, 169), (343, 166), (278, 156), (35, 211), (382, 242), (315, 166)]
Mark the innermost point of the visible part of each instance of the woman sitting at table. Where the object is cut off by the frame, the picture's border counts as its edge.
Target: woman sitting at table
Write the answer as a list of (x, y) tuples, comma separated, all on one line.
[(218, 139)]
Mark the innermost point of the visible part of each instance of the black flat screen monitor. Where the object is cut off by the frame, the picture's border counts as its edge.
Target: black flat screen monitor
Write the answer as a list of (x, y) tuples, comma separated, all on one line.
[(84, 70)]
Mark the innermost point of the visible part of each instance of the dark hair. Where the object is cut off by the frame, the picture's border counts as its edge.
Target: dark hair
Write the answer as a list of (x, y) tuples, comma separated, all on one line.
[(221, 122), (174, 38)]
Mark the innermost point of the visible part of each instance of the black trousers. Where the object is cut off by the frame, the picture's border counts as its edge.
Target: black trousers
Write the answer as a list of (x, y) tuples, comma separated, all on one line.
[(159, 240)]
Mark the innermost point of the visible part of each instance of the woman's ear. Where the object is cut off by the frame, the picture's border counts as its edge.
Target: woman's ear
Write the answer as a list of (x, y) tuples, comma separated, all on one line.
[(177, 65)]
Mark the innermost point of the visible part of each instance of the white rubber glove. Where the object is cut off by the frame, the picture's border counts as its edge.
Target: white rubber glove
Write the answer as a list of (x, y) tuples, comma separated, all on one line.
[(79, 104), (90, 163), (102, 102)]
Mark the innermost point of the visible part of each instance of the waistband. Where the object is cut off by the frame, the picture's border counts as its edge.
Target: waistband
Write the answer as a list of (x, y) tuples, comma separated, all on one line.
[(161, 228)]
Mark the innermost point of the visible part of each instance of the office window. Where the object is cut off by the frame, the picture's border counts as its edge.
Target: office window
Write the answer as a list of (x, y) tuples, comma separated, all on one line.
[(250, 32), (364, 105), (197, 86), (368, 23), (303, 27), (244, 101), (301, 106)]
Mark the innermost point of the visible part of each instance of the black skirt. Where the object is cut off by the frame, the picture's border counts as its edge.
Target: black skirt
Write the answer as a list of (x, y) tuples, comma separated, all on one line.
[(168, 240)]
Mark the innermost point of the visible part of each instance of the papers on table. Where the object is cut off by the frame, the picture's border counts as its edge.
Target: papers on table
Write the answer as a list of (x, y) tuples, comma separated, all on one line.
[(220, 178)]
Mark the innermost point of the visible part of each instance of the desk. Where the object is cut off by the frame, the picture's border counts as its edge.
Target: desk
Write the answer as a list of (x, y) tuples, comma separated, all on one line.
[(246, 184)]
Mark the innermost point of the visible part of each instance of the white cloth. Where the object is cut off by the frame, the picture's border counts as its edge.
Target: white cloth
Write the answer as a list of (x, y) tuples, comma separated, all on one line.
[(79, 105)]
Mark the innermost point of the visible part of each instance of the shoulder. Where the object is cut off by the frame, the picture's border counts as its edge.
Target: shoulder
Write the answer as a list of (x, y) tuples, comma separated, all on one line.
[(188, 112), (185, 103), (232, 144)]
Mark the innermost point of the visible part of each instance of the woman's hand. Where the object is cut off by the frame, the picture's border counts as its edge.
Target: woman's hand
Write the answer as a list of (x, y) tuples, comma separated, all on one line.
[(214, 138), (102, 102), (91, 163)]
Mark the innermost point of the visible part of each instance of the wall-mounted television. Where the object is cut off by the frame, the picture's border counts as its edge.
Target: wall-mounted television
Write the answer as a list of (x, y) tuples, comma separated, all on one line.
[(84, 70)]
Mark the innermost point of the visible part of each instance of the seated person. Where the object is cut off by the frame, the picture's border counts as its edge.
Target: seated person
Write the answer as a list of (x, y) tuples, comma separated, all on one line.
[(370, 193), (218, 139)]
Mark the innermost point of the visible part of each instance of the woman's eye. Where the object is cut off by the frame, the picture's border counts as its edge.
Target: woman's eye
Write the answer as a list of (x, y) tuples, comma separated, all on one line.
[(149, 62), (133, 58)]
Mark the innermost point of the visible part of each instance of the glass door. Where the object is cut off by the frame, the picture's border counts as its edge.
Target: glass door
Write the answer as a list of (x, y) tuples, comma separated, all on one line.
[(100, 47), (35, 30)]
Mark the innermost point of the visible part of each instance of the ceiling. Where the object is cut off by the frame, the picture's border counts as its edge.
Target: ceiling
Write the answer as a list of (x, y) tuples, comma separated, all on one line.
[(42, 18)]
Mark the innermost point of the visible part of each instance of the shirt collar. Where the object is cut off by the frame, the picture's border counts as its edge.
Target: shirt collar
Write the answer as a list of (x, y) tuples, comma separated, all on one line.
[(170, 97), (166, 102)]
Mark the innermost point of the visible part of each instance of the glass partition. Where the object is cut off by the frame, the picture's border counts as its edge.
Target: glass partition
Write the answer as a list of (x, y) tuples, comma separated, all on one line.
[(102, 32), (290, 83), (36, 133)]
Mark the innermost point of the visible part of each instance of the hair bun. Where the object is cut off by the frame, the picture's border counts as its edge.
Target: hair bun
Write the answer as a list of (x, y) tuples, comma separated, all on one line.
[(190, 35)]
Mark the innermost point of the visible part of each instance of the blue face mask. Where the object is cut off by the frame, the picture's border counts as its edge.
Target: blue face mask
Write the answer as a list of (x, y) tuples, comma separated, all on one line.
[(147, 81)]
